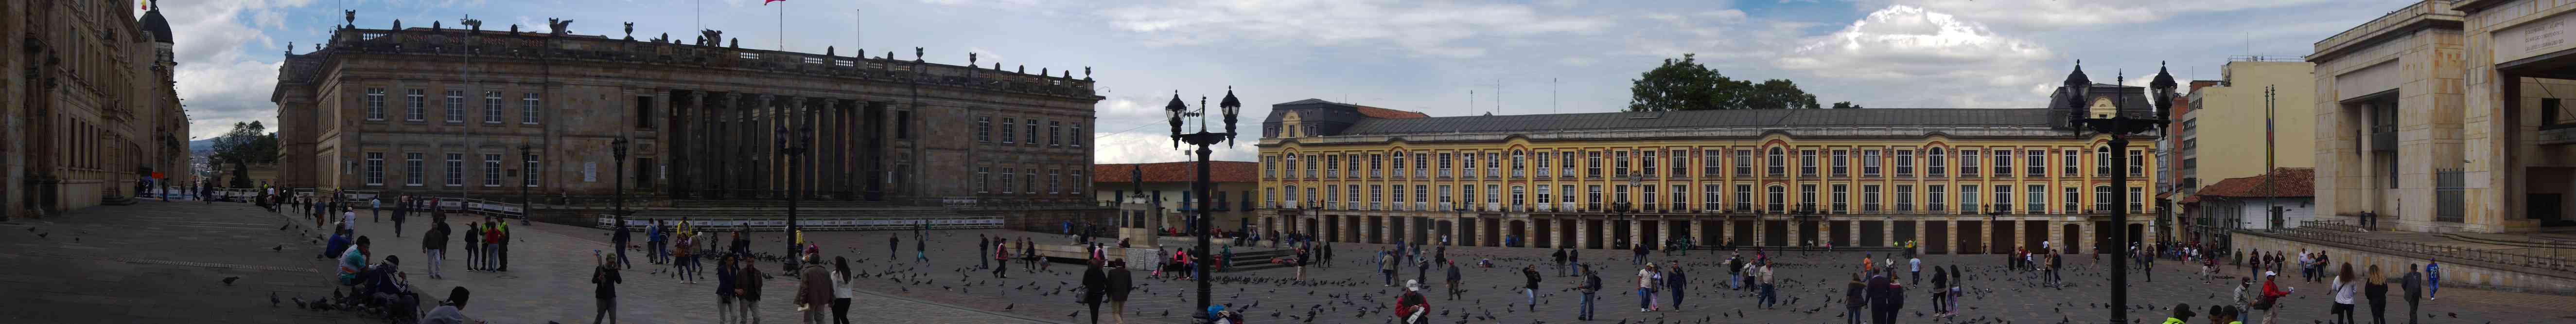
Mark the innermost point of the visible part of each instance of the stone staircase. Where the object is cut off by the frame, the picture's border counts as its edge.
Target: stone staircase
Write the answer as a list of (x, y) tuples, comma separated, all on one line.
[(1244, 260)]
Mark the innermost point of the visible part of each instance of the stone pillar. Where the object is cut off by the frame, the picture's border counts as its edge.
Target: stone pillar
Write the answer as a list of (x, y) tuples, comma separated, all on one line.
[(735, 117)]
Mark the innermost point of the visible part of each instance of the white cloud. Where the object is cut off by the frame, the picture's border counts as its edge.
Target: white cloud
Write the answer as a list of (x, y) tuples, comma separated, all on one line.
[(1910, 45), (222, 76), (1428, 29), (2045, 14)]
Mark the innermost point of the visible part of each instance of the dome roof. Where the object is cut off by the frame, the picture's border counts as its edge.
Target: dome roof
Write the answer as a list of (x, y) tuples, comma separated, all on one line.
[(159, 27)]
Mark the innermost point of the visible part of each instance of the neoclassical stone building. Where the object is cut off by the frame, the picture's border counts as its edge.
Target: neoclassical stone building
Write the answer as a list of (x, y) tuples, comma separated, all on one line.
[(1956, 180), (439, 110), (88, 106)]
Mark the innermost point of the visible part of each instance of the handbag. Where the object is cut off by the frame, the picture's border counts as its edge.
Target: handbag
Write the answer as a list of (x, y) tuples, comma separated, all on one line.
[(2265, 303)]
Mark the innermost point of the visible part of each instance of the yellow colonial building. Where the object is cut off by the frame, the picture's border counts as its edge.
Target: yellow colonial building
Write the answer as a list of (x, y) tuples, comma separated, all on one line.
[(1954, 180)]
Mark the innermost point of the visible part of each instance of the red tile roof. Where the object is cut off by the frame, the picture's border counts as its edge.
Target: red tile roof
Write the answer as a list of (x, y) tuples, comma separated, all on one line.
[(1375, 112), (1218, 171), (2285, 182)]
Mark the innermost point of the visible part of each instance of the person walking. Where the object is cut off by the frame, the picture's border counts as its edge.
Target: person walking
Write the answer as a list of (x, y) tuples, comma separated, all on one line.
[(840, 290), (982, 244), (1855, 296), (1561, 268), (1386, 268), (1646, 288), (2413, 284), (1454, 287), (725, 289), (604, 276), (1675, 280), (2345, 285), (1914, 265), (920, 249), (746, 289), (2270, 299), (1590, 285), (376, 206), (2376, 291), (813, 289), (1881, 296), (433, 244), (682, 257), (893, 242), (1940, 284), (1529, 287), (1762, 278), (373, 205), (618, 241), (1001, 254), (1095, 287), (1120, 282), (2433, 279)]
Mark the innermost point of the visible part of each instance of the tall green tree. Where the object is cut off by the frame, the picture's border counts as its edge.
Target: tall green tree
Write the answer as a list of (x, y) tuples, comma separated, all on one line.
[(248, 142), (1685, 84), (1846, 105)]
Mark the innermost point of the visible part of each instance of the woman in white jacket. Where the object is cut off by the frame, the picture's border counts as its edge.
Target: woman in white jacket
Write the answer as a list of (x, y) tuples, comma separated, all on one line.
[(840, 290), (2345, 284)]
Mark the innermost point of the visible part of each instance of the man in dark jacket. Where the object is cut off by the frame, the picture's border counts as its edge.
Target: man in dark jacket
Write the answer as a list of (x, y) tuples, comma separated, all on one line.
[(1882, 298), (2413, 283), (1119, 283), (1095, 285), (1453, 281), (814, 290), (1677, 281), (1559, 255), (605, 277), (433, 244)]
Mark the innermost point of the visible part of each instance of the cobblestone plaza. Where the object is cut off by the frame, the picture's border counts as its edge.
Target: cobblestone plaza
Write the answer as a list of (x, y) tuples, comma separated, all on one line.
[(167, 261)]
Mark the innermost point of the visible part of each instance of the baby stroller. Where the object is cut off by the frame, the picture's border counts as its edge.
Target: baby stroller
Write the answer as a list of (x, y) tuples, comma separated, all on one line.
[(385, 293)]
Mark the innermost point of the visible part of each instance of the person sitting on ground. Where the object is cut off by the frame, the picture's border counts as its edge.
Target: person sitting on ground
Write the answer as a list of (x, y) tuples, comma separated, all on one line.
[(451, 311), (353, 262)]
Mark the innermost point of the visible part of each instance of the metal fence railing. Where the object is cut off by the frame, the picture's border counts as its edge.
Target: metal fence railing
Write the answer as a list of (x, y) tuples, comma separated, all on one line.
[(2339, 232)]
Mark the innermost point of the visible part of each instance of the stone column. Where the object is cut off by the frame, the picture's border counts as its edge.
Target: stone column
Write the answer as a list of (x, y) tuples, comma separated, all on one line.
[(1579, 232), (730, 138)]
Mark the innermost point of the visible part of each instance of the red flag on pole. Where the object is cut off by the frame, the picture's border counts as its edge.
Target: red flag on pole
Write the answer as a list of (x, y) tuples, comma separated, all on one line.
[(766, 2)]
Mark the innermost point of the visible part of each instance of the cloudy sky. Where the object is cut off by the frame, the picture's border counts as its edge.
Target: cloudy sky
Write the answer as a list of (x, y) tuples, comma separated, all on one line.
[(1516, 57)]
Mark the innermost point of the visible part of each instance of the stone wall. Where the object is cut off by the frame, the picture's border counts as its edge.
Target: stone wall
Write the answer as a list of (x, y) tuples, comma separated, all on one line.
[(2455, 273)]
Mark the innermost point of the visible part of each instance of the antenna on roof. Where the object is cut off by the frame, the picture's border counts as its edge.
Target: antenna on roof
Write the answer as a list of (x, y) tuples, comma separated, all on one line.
[(1551, 95), (1471, 102)]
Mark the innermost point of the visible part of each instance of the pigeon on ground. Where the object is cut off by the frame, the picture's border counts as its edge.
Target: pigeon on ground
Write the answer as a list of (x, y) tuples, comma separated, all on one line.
[(272, 299), (228, 281)]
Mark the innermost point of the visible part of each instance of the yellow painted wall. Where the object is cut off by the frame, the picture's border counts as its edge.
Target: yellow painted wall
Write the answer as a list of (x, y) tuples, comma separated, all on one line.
[(2229, 123), (1276, 171)]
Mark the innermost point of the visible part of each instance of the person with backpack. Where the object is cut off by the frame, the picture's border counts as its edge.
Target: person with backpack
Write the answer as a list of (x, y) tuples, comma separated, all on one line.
[(1590, 285)]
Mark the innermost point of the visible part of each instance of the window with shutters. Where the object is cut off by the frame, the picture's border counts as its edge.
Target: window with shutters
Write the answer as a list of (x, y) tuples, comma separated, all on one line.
[(1936, 164), (1968, 166), (1743, 198), (2003, 162), (1807, 163), (1904, 198), (1869, 163), (1445, 163), (1842, 199), (1842, 163), (2069, 198), (2037, 199), (1904, 163), (1646, 162), (1619, 164), (2038, 160), (1968, 199), (1936, 198), (1869, 198)]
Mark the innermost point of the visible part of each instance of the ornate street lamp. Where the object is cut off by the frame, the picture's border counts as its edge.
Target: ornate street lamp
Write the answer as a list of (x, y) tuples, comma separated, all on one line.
[(794, 149), (525, 204), (616, 147), (1174, 111), (2119, 125)]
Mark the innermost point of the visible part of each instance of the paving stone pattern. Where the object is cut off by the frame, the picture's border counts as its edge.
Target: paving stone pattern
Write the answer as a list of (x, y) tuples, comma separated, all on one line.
[(162, 262)]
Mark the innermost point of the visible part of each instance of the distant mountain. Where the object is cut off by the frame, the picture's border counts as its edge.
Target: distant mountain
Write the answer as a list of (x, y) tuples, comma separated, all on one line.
[(203, 145)]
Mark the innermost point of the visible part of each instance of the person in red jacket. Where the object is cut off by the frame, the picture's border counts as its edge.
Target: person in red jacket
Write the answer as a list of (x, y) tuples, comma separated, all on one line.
[(1412, 308), (2269, 303)]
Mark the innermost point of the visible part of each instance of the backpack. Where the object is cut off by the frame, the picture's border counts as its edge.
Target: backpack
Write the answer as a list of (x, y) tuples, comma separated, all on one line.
[(2265, 303)]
